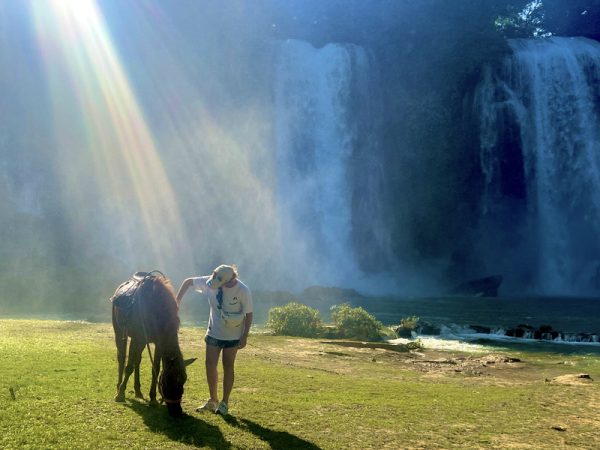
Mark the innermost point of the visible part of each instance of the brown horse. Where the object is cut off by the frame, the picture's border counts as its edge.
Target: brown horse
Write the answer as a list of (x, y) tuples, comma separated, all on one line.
[(150, 314)]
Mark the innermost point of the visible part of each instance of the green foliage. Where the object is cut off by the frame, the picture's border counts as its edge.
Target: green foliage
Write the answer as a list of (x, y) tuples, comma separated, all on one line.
[(415, 345), (528, 22), (355, 323), (295, 319), (407, 326), (409, 323)]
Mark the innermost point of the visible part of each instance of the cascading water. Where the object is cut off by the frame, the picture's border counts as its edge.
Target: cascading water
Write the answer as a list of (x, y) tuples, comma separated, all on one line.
[(540, 156), (329, 184)]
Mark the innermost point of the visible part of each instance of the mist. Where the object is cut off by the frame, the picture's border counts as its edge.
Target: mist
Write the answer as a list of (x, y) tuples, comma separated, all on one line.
[(309, 143)]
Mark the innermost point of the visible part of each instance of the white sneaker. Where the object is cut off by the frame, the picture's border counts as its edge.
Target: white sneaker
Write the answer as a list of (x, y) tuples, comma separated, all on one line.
[(222, 409), (210, 405)]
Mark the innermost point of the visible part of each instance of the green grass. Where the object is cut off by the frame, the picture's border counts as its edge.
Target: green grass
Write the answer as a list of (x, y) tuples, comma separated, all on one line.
[(289, 393)]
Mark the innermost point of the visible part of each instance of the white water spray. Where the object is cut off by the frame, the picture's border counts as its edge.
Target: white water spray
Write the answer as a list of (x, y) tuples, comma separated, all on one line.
[(547, 94), (325, 145)]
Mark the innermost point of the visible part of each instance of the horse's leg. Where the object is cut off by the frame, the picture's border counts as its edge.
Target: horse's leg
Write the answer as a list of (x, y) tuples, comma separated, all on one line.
[(135, 354), (137, 387), (121, 350), (121, 344), (155, 372)]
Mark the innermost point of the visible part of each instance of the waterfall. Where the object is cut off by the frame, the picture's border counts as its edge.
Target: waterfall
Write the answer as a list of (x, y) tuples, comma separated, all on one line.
[(540, 150), (329, 174)]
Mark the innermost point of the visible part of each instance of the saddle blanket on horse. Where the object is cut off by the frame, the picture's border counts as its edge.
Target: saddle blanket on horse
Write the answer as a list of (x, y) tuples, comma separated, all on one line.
[(124, 297)]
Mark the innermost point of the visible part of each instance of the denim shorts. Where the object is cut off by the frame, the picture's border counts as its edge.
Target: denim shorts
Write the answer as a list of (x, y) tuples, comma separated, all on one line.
[(220, 342)]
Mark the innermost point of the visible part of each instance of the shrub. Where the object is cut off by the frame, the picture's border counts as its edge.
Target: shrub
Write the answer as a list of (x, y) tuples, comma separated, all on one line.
[(355, 323), (294, 319), (407, 324), (410, 322), (415, 345)]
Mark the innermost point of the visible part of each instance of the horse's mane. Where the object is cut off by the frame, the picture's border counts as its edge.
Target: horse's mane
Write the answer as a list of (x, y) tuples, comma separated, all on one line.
[(165, 304)]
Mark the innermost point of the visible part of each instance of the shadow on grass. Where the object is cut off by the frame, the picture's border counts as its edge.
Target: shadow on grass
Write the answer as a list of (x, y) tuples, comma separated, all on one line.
[(278, 440), (185, 429)]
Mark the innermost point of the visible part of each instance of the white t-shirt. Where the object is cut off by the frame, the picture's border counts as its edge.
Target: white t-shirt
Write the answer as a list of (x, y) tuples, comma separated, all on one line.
[(227, 322)]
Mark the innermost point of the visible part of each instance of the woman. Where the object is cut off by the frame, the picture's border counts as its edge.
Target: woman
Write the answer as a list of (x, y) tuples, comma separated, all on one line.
[(229, 322)]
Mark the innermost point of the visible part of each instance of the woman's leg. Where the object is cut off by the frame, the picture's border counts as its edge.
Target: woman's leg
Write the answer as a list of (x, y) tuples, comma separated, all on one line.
[(212, 377), (228, 371)]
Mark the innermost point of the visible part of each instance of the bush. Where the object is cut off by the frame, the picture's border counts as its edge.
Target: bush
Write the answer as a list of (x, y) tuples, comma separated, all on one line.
[(355, 323), (294, 319), (411, 324), (415, 345), (407, 324)]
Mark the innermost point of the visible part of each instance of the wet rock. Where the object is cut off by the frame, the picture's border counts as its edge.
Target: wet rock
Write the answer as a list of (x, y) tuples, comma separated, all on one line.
[(481, 287), (544, 332), (422, 327), (480, 329)]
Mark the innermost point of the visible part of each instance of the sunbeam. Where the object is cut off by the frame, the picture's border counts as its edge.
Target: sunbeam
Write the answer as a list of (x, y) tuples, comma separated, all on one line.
[(105, 150)]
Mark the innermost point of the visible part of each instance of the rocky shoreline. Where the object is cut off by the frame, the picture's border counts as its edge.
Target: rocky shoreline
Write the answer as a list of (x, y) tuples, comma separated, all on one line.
[(544, 333), (522, 331)]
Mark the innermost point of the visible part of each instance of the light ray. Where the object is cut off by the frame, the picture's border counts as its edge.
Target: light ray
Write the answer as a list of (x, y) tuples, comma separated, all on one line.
[(90, 91), (218, 144)]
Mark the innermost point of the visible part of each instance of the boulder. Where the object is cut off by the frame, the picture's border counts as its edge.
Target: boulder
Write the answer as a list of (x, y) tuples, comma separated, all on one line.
[(480, 329), (323, 297), (481, 287), (544, 333), (422, 327)]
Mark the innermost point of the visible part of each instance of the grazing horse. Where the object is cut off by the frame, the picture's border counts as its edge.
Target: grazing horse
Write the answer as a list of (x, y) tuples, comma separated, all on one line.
[(145, 310)]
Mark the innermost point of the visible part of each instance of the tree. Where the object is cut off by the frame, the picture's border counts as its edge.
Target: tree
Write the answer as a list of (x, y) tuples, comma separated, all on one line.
[(524, 23)]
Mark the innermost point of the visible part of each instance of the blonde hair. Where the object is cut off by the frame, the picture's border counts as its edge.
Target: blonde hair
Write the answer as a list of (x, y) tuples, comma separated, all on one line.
[(235, 271)]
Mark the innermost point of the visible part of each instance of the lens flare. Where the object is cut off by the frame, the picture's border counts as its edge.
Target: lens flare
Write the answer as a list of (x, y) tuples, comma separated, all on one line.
[(106, 155)]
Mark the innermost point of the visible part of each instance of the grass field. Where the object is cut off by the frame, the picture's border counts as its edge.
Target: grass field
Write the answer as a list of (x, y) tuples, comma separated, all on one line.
[(295, 393)]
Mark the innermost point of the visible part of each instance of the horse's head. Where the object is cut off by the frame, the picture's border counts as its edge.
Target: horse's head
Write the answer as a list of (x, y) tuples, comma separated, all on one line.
[(172, 379)]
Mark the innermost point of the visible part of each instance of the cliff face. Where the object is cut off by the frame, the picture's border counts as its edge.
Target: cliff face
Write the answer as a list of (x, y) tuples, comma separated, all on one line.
[(405, 202)]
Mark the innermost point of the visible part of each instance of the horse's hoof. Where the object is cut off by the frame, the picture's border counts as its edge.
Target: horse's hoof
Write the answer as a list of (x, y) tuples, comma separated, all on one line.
[(153, 402), (139, 395), (120, 398)]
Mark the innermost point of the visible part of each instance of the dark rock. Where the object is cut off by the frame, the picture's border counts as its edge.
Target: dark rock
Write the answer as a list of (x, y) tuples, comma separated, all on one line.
[(428, 328), (325, 297), (519, 332), (403, 332), (422, 327), (482, 287), (544, 332), (480, 329)]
